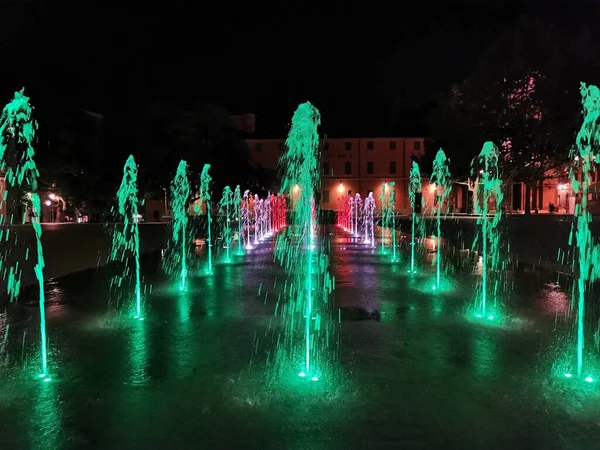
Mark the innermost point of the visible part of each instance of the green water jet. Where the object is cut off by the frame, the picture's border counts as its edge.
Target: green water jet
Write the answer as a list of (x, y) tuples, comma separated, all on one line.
[(414, 188), (309, 284), (237, 201), (180, 197), (442, 179), (126, 235), (489, 184), (17, 134), (205, 195), (226, 208), (584, 156)]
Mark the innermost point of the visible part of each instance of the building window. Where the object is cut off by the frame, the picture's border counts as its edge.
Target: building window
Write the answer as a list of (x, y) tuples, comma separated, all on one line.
[(392, 145), (349, 192), (325, 168), (325, 196), (258, 146), (370, 167), (348, 145), (417, 145), (369, 145), (347, 167), (370, 191), (392, 167)]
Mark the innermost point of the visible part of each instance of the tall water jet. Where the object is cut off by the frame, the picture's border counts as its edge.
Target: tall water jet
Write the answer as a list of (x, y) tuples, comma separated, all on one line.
[(384, 215), (306, 311), (17, 133), (256, 210), (237, 201), (126, 235), (368, 219), (358, 210), (489, 184), (179, 242), (268, 217), (226, 210), (391, 211), (442, 180), (587, 256), (246, 218), (414, 188), (388, 215), (205, 180), (351, 214)]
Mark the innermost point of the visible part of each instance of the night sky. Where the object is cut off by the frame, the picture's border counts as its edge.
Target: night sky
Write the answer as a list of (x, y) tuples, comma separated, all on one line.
[(370, 71)]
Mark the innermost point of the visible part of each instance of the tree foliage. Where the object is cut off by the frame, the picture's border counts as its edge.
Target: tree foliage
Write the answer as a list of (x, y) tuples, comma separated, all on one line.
[(199, 133), (523, 96)]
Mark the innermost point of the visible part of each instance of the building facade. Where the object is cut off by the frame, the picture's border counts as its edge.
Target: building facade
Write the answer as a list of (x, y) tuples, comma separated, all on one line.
[(353, 165)]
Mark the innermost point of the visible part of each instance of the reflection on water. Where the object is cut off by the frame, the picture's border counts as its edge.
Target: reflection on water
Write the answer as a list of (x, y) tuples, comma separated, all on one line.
[(407, 356), (138, 352), (45, 425)]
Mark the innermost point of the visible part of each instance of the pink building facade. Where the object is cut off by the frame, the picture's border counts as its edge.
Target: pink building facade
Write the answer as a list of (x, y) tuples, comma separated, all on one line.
[(353, 165)]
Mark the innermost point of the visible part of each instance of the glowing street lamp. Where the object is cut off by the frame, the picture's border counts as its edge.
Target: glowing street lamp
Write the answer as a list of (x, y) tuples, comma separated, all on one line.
[(341, 187)]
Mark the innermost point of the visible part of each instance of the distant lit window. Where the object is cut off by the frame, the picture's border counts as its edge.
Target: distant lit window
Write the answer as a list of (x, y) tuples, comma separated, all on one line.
[(347, 167), (392, 145), (369, 145), (348, 145), (325, 196), (258, 146), (325, 168), (392, 167), (370, 167), (417, 145)]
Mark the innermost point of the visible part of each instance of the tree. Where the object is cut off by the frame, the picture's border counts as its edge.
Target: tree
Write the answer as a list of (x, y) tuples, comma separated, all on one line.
[(523, 96), (199, 133)]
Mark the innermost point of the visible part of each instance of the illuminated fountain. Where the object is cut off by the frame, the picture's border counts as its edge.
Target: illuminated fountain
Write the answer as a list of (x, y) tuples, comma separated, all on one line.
[(414, 188), (388, 216), (205, 194), (384, 215), (351, 214), (587, 254), (489, 187), (17, 134), (268, 215), (246, 217), (226, 211), (126, 235), (279, 212), (257, 213), (368, 219), (358, 210), (342, 213), (305, 309), (441, 179), (176, 258), (237, 202)]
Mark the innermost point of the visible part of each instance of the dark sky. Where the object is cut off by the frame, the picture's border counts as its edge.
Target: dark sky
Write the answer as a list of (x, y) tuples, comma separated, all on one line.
[(352, 60)]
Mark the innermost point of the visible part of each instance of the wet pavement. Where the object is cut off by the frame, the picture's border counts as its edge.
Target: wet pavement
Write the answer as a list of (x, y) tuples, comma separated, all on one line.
[(414, 371)]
